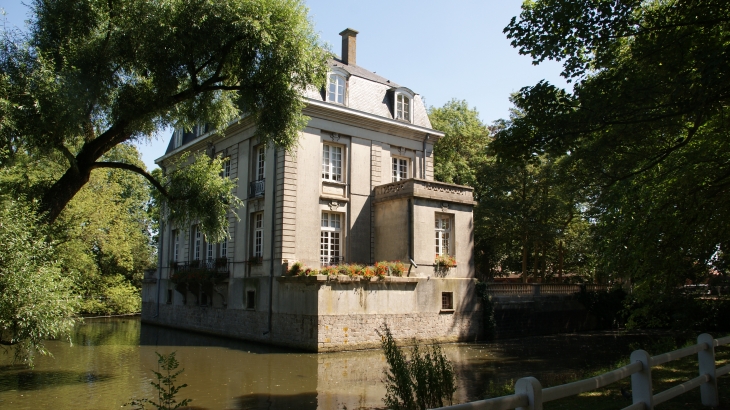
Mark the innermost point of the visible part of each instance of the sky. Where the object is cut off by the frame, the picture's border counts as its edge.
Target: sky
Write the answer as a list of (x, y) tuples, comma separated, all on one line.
[(439, 49)]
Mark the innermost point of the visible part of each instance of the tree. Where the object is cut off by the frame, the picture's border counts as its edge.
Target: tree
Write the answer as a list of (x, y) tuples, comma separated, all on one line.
[(643, 133), (36, 302), (93, 74), (459, 154)]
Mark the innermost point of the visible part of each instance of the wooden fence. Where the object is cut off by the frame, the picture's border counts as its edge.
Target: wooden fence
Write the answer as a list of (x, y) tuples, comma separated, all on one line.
[(530, 395)]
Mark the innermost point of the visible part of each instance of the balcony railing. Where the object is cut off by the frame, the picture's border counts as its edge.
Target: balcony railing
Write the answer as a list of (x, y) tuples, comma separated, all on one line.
[(213, 265), (256, 188), (331, 260)]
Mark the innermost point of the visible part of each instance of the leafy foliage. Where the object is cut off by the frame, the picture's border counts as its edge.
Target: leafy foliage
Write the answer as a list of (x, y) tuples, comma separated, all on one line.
[(165, 386), (198, 194), (36, 303), (426, 381), (92, 75), (642, 137)]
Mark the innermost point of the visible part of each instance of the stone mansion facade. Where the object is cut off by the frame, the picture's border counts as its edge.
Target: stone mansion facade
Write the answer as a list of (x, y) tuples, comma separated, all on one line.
[(358, 189)]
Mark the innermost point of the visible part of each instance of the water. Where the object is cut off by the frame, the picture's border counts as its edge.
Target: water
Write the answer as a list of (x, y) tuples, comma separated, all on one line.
[(110, 362)]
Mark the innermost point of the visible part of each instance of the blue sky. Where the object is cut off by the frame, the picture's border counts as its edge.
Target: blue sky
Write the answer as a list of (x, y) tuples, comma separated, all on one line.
[(439, 49)]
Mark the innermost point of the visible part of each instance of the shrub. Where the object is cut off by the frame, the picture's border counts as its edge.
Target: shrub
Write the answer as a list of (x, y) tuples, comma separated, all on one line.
[(165, 385), (296, 269), (427, 381)]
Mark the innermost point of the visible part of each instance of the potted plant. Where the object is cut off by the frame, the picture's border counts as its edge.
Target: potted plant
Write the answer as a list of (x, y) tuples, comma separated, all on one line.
[(443, 263)]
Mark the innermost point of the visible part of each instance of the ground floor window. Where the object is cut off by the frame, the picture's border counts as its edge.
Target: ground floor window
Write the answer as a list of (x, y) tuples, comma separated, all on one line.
[(258, 235), (251, 299), (330, 238), (447, 300)]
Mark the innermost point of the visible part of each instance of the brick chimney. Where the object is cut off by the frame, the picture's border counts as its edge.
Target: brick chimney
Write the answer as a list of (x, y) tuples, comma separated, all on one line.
[(349, 48)]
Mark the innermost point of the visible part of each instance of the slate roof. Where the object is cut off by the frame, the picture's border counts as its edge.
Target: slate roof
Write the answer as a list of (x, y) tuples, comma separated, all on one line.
[(361, 72)]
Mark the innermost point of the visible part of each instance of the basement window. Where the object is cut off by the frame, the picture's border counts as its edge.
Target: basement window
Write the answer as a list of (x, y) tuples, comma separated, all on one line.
[(447, 301), (251, 300), (169, 296)]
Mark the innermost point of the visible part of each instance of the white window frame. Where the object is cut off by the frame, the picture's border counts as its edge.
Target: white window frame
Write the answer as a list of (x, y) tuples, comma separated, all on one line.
[(403, 107), (332, 162), (210, 252), (336, 85), (176, 245), (197, 239), (401, 168), (444, 228), (224, 248), (227, 167), (260, 163), (257, 243), (330, 238), (177, 136)]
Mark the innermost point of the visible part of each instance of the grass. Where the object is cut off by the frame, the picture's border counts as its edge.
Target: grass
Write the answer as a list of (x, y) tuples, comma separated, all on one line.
[(663, 377)]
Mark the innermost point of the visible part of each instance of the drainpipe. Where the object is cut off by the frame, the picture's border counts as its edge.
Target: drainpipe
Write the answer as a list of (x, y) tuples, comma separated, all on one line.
[(159, 266), (273, 234), (423, 174), (410, 234)]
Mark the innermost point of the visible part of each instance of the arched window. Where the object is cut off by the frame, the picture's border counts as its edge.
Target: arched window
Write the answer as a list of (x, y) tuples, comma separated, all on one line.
[(336, 88)]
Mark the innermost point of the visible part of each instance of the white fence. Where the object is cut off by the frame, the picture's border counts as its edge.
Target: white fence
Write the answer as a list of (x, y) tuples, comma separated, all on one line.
[(529, 394)]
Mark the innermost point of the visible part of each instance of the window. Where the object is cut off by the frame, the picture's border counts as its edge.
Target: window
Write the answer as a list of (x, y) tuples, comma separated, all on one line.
[(198, 243), (447, 300), (251, 299), (260, 163), (402, 107), (400, 169), (443, 234), (177, 136), (329, 242), (176, 245), (203, 299), (211, 252), (227, 167), (258, 235), (224, 248), (331, 163), (336, 88), (169, 296)]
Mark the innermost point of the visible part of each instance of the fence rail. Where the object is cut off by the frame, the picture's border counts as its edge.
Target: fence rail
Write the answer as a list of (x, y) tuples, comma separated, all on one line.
[(510, 289), (530, 395)]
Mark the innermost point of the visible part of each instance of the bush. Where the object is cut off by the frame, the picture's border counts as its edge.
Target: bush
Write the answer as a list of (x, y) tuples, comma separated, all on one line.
[(426, 381), (165, 386)]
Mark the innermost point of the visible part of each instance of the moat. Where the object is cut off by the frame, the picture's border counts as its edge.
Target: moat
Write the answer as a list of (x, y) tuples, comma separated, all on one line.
[(111, 360)]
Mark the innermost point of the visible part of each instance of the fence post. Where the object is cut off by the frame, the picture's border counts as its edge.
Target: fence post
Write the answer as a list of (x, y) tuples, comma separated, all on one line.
[(532, 388), (641, 389), (706, 359)]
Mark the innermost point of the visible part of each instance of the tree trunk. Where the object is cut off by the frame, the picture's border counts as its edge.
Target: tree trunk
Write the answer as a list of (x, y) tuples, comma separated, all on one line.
[(524, 260), (62, 192), (536, 261)]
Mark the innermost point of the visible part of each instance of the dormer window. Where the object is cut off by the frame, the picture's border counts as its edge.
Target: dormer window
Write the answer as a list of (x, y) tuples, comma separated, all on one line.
[(336, 88), (177, 138), (402, 107), (402, 103)]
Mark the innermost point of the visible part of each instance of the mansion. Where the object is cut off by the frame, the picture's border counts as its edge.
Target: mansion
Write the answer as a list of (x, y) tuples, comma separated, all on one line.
[(358, 189)]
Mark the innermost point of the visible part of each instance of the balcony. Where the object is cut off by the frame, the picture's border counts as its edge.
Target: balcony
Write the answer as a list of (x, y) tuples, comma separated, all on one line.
[(213, 270), (256, 188)]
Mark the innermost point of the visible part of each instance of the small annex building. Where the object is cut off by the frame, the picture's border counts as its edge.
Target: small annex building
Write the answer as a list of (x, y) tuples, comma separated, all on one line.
[(359, 189)]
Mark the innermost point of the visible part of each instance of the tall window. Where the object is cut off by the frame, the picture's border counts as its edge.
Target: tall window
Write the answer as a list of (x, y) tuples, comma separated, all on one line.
[(176, 245), (260, 162), (403, 107), (443, 234), (329, 242), (178, 134), (224, 248), (336, 89), (227, 167), (400, 169), (258, 235), (210, 252), (198, 242), (331, 163)]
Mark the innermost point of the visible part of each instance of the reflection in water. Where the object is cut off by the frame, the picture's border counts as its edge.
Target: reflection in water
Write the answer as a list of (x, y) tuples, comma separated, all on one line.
[(111, 361)]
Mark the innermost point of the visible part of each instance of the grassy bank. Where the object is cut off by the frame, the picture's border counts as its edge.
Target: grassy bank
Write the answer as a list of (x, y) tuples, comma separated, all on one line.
[(664, 377)]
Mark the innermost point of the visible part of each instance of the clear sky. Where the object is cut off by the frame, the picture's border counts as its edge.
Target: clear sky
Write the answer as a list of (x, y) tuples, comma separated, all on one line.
[(439, 49)]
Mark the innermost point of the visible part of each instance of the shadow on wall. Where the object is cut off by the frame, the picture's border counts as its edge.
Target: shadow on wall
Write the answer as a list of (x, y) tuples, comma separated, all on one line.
[(301, 401)]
